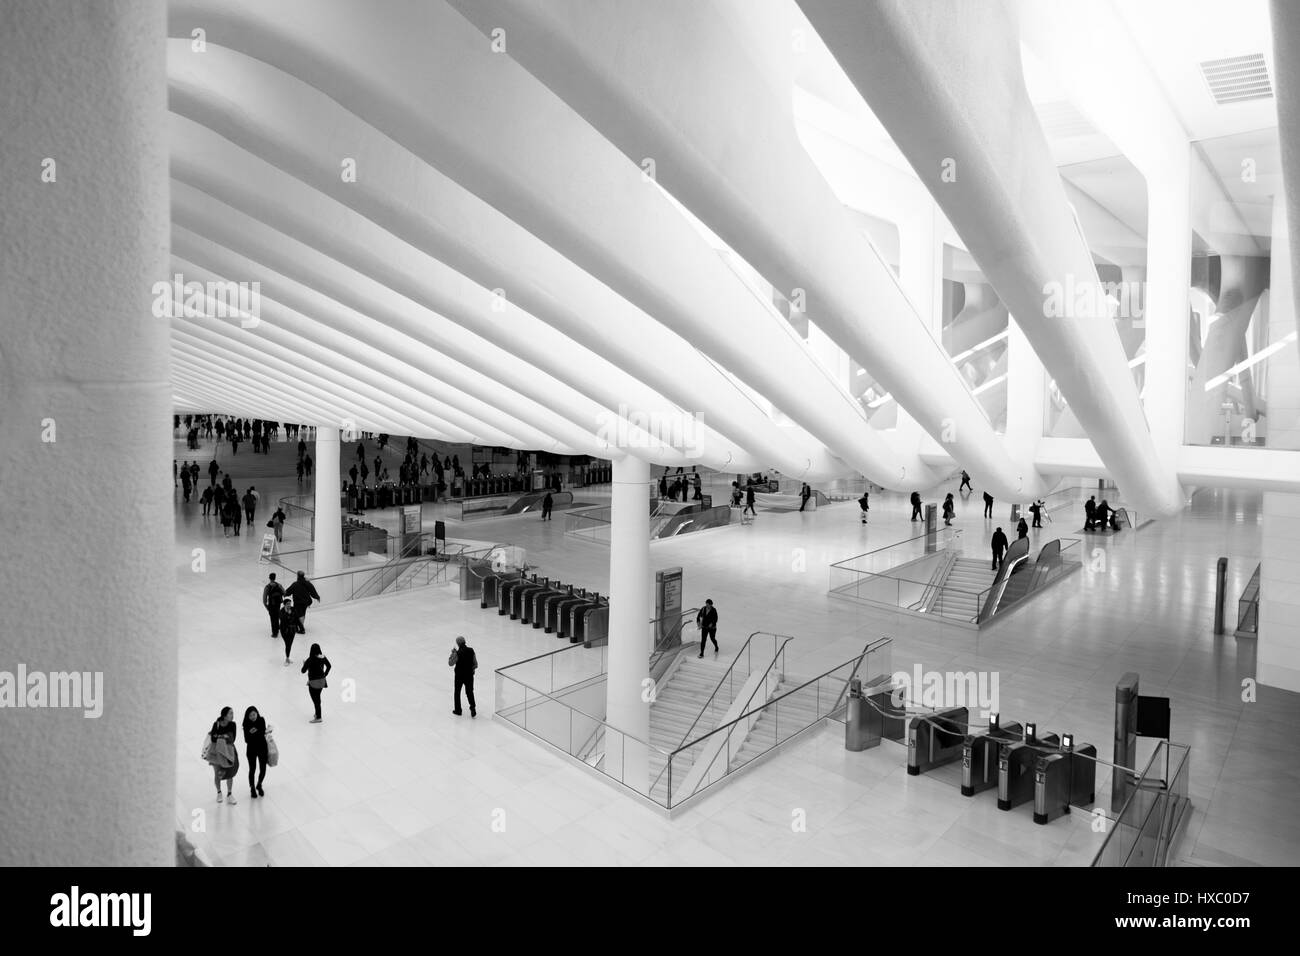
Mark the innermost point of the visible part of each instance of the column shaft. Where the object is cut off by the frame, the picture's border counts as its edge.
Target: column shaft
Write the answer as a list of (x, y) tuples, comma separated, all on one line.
[(629, 616)]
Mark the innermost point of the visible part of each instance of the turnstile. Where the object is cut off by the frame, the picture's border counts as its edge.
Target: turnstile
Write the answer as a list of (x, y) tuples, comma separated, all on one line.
[(935, 739), (507, 588), (979, 756), (519, 597), (1064, 778), (1016, 767)]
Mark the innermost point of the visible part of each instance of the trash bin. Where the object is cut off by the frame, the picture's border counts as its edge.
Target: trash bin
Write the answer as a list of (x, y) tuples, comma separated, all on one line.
[(855, 720)]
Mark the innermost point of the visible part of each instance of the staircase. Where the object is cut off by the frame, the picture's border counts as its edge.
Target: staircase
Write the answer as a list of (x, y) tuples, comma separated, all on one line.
[(677, 703), (792, 715), (969, 577)]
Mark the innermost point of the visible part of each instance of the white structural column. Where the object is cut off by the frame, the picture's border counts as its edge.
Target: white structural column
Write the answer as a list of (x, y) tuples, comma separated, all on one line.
[(327, 549), (89, 762), (1278, 657), (1026, 389), (626, 758)]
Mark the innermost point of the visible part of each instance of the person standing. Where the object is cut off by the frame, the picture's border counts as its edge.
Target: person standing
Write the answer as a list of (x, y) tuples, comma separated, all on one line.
[(317, 667), (865, 505), (1036, 509), (804, 494), (916, 506), (1090, 513), (965, 482), (272, 598), (225, 763), (749, 502), (302, 593), (277, 524), (999, 544), (1022, 529), (547, 504), (255, 749), (464, 662), (988, 505), (213, 470), (699, 486), (949, 509), (194, 472), (361, 452), (707, 621)]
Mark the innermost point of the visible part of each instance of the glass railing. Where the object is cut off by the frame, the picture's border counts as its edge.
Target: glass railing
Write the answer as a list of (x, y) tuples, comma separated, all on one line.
[(910, 576), (770, 716), (300, 514), (666, 633), (1248, 607), (1056, 559), (591, 524), (1146, 830)]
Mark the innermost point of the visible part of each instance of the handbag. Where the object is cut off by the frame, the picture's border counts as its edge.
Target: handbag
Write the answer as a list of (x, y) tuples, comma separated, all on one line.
[(272, 751), (222, 754)]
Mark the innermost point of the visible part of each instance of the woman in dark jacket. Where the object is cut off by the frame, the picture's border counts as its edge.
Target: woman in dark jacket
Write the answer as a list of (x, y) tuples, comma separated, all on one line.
[(317, 668), (948, 509), (227, 513), (224, 727), (255, 731)]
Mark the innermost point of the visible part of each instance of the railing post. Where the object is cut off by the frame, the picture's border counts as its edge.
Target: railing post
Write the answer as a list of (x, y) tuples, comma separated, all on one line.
[(1220, 585)]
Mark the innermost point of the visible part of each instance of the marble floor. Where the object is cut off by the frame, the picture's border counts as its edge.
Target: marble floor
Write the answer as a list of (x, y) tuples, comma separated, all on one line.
[(391, 777)]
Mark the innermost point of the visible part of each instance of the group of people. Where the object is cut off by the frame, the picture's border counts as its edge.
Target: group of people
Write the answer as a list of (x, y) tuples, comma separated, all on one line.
[(224, 501), (221, 755), (287, 608), (1099, 515), (681, 485)]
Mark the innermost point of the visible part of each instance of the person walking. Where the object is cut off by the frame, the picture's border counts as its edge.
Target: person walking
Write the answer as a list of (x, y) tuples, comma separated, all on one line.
[(272, 598), (299, 468), (949, 509), (999, 544), (1036, 509), (228, 511), (547, 504), (288, 627), (749, 502), (306, 466), (213, 470), (916, 506), (185, 481), (1105, 515), (194, 473), (1090, 513), (965, 482), (317, 667), (865, 505), (255, 749), (464, 662), (804, 494), (206, 500), (276, 524), (1022, 529), (707, 621), (302, 593), (988, 505), (236, 514), (222, 754), (250, 506)]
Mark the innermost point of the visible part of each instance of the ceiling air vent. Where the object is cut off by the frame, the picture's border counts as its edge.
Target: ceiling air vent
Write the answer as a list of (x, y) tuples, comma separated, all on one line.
[(1238, 79)]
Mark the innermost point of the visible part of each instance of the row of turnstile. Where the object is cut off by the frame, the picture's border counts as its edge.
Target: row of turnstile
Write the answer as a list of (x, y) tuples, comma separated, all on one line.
[(386, 495), (493, 485), (561, 609), (1022, 764)]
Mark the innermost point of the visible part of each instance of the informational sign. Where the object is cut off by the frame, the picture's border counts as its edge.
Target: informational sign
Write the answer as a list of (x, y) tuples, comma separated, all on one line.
[(268, 548), (411, 519), (668, 602)]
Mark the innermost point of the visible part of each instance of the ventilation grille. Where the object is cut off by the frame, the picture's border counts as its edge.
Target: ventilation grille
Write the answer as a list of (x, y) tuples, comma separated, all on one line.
[(1238, 79), (1060, 120)]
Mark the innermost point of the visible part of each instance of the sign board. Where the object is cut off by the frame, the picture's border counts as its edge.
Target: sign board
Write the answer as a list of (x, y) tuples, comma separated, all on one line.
[(668, 601), (268, 548), (410, 529)]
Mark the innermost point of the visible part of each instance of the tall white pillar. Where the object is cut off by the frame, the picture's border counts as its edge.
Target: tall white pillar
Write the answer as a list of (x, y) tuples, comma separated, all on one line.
[(84, 377), (1278, 656), (327, 551), (629, 617)]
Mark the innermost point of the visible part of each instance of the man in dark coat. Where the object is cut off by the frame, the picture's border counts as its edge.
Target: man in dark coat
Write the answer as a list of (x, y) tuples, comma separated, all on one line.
[(272, 598), (707, 620), (465, 662), (999, 544), (302, 593)]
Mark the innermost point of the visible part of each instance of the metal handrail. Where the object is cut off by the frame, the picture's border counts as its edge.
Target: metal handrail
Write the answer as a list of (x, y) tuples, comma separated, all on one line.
[(795, 690), (871, 646), (603, 723)]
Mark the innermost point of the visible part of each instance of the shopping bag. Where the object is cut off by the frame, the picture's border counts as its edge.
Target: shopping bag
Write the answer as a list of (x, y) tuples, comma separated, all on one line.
[(222, 754), (272, 751), (207, 747)]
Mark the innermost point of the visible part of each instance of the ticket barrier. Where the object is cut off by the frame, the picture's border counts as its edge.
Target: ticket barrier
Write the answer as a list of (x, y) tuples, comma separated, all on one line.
[(519, 597), (507, 587), (549, 617), (979, 756), (492, 582), (564, 612), (1016, 767), (578, 617), (537, 600), (1064, 778), (935, 739), (886, 716)]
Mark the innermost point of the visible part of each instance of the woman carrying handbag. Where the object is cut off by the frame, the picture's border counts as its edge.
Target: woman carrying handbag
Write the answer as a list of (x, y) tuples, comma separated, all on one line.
[(316, 667), (221, 753), (256, 742)]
